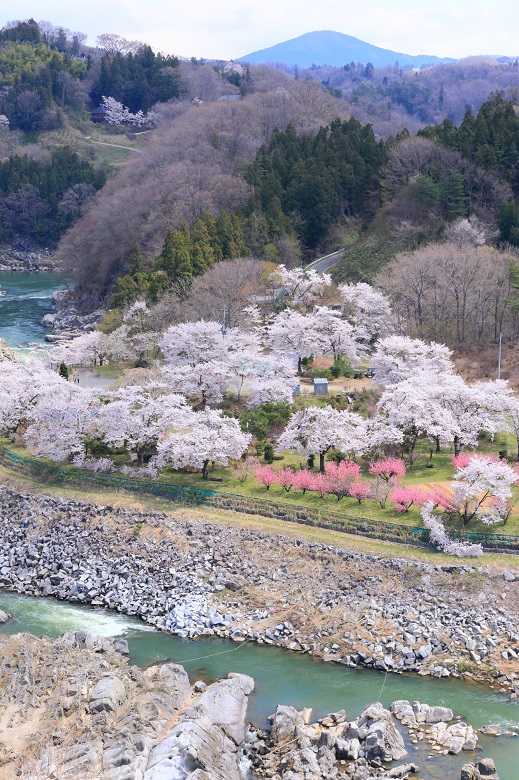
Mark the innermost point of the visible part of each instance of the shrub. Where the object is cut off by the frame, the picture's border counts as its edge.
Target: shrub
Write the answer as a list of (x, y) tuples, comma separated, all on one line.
[(268, 452)]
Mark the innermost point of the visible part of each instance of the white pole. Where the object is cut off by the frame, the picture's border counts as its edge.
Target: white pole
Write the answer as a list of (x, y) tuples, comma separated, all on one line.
[(499, 356)]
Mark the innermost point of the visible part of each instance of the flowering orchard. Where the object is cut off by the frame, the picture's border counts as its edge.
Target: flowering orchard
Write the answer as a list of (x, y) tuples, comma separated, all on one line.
[(189, 412)]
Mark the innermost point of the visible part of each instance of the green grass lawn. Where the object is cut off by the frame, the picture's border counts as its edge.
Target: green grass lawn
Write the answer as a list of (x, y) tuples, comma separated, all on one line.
[(442, 471)]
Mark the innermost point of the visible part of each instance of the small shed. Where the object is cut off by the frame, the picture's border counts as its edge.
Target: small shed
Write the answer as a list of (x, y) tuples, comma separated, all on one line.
[(321, 386), (98, 114)]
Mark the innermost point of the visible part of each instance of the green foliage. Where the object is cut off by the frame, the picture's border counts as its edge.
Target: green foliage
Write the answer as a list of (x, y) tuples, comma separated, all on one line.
[(138, 80), (363, 261), (185, 253), (264, 418), (341, 367), (38, 78), (489, 139), (40, 200), (320, 178), (268, 453), (509, 222), (63, 371)]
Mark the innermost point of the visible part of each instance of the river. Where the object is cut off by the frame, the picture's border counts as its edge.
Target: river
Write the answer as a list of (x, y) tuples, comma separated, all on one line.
[(28, 298), (283, 677)]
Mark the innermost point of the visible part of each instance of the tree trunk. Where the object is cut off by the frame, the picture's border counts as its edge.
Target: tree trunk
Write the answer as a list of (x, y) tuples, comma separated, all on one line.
[(321, 462), (438, 449), (205, 469), (299, 365)]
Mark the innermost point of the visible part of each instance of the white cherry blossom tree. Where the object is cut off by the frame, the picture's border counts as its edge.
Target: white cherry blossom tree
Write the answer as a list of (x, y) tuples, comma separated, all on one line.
[(303, 287), (317, 429), (397, 357), (369, 312), (201, 438)]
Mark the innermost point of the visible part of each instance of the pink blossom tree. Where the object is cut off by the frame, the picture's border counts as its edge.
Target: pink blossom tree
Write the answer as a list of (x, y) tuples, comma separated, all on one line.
[(340, 477), (359, 490), (285, 478), (386, 474), (266, 475), (403, 498), (303, 480)]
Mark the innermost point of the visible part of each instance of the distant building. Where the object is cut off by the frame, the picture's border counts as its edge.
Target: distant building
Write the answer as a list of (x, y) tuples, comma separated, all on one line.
[(98, 114), (321, 386), (230, 97)]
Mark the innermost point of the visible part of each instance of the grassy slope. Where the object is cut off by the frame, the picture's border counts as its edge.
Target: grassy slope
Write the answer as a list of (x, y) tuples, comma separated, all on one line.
[(268, 525)]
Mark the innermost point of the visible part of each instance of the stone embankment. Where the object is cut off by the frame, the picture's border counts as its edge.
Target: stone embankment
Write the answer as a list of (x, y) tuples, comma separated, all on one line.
[(12, 259), (73, 708), (194, 578)]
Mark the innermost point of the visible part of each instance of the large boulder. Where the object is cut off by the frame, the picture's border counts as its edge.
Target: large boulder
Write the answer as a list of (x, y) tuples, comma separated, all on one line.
[(484, 769), (107, 695), (383, 741)]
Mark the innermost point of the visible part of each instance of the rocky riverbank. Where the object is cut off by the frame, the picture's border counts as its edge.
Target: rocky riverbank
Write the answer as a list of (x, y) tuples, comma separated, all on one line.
[(67, 319), (195, 579), (73, 708), (14, 259)]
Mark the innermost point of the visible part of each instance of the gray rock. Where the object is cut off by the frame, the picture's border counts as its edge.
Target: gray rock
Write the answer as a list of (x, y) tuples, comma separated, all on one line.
[(402, 770), (492, 730), (484, 769), (4, 617), (107, 695), (383, 741)]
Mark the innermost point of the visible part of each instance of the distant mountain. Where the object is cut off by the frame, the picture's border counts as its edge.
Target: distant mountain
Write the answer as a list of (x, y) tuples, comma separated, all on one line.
[(332, 48)]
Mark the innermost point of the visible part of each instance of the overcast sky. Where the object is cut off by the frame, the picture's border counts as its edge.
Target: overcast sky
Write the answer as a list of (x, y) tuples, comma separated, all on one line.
[(231, 28)]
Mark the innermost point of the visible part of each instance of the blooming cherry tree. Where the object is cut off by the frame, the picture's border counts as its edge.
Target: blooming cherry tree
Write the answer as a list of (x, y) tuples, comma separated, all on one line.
[(317, 429), (397, 357), (63, 416), (335, 335), (302, 286), (440, 538), (202, 437), (369, 312), (415, 407), (293, 333), (117, 114), (483, 488), (136, 417)]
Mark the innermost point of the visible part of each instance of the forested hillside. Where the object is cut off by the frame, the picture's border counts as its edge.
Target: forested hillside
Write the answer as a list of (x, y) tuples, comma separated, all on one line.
[(286, 170)]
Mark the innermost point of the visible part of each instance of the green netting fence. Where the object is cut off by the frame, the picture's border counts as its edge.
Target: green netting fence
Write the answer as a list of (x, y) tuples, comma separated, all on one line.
[(46, 471)]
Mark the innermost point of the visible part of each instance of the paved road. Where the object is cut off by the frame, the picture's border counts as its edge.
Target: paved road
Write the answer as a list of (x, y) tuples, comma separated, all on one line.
[(326, 262)]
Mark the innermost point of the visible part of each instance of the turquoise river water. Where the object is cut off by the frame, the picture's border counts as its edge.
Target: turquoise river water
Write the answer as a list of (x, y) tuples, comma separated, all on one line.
[(284, 677), (28, 298)]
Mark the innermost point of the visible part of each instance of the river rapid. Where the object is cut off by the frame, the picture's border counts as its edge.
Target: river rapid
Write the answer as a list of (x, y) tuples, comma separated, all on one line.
[(284, 677), (27, 300)]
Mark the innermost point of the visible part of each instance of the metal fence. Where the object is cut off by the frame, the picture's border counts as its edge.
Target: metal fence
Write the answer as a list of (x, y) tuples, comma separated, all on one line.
[(46, 471)]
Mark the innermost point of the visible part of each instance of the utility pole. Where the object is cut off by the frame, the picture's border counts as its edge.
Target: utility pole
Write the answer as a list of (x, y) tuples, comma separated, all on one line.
[(499, 356), (224, 321)]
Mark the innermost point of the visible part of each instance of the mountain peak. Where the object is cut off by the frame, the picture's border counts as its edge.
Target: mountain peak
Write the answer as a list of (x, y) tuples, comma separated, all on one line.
[(327, 47)]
